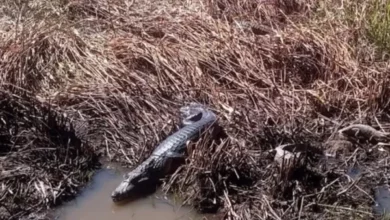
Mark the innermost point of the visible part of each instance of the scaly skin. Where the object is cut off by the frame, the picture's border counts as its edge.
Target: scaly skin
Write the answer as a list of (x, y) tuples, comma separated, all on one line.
[(196, 119), (364, 132)]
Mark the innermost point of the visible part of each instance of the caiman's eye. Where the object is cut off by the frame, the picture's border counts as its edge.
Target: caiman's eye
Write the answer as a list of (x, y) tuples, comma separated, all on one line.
[(139, 179), (196, 116), (143, 179)]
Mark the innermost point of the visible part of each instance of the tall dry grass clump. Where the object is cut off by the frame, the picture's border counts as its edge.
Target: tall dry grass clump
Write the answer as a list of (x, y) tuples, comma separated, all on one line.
[(275, 72), (44, 160)]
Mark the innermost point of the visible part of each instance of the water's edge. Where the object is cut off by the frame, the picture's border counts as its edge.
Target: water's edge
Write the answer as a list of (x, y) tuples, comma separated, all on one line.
[(94, 202)]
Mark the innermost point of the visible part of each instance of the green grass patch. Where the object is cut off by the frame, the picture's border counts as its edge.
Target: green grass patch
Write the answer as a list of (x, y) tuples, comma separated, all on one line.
[(379, 24)]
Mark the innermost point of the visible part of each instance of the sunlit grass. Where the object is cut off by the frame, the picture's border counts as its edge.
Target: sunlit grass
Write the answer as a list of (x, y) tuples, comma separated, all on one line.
[(379, 24)]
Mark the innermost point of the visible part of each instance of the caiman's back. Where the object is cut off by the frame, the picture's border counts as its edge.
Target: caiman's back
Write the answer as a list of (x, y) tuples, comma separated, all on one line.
[(176, 142), (196, 119)]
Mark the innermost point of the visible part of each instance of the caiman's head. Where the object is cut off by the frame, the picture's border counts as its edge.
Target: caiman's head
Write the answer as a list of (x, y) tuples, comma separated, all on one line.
[(133, 186), (191, 113)]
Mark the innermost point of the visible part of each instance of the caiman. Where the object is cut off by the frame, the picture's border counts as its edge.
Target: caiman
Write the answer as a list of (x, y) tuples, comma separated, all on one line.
[(195, 119)]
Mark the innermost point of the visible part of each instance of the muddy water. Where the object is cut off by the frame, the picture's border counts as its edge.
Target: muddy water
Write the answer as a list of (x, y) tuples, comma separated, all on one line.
[(95, 203), (354, 172), (382, 200)]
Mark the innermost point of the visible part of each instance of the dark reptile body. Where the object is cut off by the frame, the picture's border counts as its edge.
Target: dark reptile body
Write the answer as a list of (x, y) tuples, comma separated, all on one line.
[(176, 143), (158, 164)]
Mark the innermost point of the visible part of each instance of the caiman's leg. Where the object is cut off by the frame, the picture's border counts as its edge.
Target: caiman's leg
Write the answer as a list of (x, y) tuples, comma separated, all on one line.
[(173, 161), (191, 119), (191, 113)]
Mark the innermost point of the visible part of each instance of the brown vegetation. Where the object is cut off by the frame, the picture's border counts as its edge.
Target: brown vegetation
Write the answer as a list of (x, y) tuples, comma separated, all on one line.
[(275, 71)]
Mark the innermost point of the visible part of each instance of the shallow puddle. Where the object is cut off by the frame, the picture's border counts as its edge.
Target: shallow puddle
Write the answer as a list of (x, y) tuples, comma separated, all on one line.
[(382, 200), (95, 203), (354, 172)]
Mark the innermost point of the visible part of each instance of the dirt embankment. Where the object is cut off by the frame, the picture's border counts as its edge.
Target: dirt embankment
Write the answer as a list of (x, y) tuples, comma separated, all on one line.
[(276, 72)]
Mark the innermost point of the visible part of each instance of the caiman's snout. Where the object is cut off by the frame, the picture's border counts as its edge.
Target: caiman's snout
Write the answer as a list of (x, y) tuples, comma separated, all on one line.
[(127, 192), (122, 192), (115, 196)]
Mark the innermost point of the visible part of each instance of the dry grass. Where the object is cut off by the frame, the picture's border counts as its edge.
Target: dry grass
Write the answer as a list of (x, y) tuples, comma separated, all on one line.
[(275, 72), (43, 160)]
